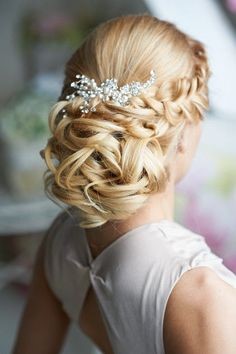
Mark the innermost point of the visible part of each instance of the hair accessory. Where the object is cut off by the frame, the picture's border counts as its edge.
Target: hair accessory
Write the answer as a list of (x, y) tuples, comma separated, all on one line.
[(107, 91)]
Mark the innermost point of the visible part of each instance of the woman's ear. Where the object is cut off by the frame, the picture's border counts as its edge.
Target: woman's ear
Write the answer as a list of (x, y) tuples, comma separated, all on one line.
[(189, 138), (181, 146)]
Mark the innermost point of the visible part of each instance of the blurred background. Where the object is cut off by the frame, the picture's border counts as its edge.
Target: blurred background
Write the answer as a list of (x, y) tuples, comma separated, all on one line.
[(37, 38)]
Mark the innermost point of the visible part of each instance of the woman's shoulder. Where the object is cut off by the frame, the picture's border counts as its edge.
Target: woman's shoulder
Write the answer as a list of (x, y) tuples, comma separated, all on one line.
[(60, 224), (190, 271), (61, 217), (54, 242), (198, 287), (187, 242)]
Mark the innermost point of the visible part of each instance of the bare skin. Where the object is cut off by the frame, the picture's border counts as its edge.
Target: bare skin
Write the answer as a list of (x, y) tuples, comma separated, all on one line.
[(201, 322), (200, 316)]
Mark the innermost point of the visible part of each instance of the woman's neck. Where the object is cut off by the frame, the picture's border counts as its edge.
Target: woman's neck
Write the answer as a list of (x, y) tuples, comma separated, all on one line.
[(158, 207)]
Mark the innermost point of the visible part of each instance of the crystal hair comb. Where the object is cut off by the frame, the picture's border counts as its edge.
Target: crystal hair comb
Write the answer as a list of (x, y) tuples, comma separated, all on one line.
[(107, 91)]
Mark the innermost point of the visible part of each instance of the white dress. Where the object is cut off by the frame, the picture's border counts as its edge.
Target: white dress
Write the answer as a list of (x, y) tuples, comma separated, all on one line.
[(132, 278)]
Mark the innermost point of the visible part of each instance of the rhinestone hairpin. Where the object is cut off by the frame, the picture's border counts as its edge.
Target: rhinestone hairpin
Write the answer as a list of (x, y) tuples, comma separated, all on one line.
[(107, 91)]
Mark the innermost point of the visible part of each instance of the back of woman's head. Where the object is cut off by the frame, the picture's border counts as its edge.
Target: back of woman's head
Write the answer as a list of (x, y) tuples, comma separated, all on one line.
[(110, 161)]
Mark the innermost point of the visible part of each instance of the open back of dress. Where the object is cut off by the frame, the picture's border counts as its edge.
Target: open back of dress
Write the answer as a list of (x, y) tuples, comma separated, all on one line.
[(132, 278)]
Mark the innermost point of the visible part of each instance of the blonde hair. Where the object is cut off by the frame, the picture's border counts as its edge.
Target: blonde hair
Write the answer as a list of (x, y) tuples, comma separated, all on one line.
[(108, 162)]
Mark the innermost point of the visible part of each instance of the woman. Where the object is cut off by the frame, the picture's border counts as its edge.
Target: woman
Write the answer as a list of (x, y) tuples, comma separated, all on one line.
[(115, 261)]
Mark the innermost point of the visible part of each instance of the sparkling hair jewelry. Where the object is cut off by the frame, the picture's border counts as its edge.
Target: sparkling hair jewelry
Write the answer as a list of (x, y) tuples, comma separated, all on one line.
[(107, 91)]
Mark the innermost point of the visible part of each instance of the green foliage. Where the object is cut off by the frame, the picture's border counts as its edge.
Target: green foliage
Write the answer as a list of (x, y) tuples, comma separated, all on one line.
[(26, 117)]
